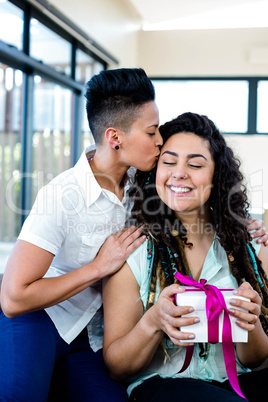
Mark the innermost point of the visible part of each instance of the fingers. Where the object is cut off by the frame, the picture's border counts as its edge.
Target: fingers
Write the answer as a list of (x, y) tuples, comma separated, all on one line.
[(124, 233), (259, 231), (134, 245), (177, 336), (172, 317), (251, 309), (255, 224), (180, 338), (177, 321), (117, 248), (263, 239), (246, 290), (171, 290), (246, 319), (129, 235), (247, 322), (126, 241), (130, 230), (261, 236)]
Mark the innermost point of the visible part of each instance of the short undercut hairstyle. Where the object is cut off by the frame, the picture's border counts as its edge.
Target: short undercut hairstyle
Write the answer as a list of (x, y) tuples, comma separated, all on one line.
[(114, 99)]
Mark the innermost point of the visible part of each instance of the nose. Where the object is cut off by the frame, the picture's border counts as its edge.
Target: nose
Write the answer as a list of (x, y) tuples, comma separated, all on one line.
[(159, 139), (180, 175)]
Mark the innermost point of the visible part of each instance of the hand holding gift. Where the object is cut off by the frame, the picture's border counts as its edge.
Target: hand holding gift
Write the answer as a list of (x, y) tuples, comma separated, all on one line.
[(246, 313), (171, 319), (211, 317), (217, 313)]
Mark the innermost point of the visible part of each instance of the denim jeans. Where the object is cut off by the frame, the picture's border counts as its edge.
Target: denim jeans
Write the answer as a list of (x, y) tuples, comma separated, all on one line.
[(37, 365)]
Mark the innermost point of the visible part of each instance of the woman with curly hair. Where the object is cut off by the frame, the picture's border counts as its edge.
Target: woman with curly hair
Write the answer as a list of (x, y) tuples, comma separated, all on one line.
[(194, 210)]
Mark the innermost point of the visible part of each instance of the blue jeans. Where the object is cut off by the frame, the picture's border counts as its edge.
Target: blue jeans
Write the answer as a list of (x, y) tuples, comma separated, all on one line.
[(37, 365)]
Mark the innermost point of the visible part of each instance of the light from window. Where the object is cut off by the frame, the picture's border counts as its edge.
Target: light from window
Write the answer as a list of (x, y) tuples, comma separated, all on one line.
[(48, 47), (84, 66), (225, 102), (262, 116), (11, 23)]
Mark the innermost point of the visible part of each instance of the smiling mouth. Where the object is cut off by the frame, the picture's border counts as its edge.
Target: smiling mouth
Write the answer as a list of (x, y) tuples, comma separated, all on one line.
[(180, 190)]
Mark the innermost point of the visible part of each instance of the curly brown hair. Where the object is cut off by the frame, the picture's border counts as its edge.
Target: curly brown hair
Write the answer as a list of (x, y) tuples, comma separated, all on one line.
[(229, 209)]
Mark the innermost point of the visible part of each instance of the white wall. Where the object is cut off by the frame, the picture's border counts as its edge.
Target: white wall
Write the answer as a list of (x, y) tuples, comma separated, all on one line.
[(202, 52), (111, 23)]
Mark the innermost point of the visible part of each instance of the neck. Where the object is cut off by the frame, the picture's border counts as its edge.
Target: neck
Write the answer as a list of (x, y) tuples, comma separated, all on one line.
[(108, 170), (198, 224)]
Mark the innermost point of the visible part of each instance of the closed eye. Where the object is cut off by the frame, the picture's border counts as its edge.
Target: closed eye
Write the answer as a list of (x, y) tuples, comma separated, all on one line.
[(195, 166), (169, 163)]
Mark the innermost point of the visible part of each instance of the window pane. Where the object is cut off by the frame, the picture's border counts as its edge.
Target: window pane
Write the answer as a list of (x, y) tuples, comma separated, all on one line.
[(49, 47), (262, 116), (52, 132), (224, 102), (11, 23), (10, 152), (87, 138), (84, 66)]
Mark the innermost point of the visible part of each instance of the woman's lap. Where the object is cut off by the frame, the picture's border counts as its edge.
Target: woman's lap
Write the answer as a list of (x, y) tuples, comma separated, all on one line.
[(82, 376), (254, 385), (29, 348), (27, 354)]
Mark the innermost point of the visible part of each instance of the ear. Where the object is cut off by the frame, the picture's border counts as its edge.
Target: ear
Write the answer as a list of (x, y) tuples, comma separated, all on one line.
[(113, 137)]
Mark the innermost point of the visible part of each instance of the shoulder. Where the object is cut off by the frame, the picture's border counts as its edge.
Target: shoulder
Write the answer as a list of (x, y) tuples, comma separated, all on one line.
[(59, 190), (139, 254), (47, 215), (138, 261), (63, 181)]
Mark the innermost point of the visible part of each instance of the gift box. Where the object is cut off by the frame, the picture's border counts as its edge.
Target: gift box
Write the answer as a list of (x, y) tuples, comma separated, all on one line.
[(216, 324), (197, 299)]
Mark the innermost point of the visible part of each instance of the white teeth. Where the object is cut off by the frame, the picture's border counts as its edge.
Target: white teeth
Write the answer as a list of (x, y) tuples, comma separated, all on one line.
[(180, 189)]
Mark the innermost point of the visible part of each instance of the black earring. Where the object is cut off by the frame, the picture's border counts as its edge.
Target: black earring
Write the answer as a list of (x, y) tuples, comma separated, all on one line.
[(116, 147)]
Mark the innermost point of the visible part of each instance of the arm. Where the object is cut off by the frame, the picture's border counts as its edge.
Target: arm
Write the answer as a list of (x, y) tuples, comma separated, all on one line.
[(254, 352), (131, 338), (24, 289)]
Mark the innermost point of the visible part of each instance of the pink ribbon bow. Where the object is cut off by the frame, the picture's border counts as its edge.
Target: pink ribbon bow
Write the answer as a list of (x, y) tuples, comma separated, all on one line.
[(215, 304)]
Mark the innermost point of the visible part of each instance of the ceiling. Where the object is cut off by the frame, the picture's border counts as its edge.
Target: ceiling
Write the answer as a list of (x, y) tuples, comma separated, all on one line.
[(201, 13)]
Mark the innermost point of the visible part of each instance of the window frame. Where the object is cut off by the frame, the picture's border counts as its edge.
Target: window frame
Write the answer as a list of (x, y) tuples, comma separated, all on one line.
[(252, 96)]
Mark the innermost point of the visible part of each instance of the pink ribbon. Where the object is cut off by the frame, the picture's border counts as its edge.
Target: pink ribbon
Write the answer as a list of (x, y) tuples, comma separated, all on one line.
[(215, 304)]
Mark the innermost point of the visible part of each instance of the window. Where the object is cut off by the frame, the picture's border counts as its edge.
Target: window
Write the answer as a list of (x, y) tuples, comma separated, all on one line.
[(87, 138), (238, 105), (11, 23), (49, 47), (51, 141), (43, 123), (84, 66), (10, 151), (262, 116), (216, 99)]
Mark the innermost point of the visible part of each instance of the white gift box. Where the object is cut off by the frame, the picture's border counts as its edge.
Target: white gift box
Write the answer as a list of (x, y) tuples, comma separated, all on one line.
[(197, 299)]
